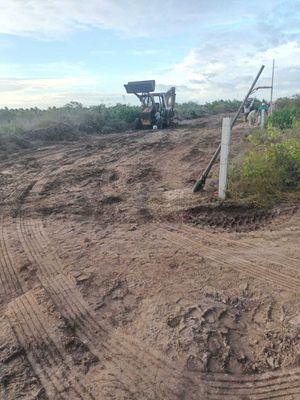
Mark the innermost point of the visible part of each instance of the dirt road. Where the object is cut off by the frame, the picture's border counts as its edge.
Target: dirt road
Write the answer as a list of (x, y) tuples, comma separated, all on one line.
[(116, 282)]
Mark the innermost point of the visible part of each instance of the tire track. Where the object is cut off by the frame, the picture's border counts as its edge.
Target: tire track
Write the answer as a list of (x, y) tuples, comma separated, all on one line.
[(239, 264), (258, 388), (38, 364), (67, 299), (67, 283), (271, 255), (23, 306), (47, 354), (8, 274), (255, 390)]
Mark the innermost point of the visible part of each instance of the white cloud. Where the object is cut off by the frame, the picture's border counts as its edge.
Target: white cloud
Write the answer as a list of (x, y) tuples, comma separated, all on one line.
[(48, 96), (8, 84), (233, 38), (227, 72), (43, 18), (70, 82)]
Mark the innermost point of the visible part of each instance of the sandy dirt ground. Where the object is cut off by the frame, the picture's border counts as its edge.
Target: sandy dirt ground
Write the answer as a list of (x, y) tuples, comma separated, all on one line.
[(117, 282)]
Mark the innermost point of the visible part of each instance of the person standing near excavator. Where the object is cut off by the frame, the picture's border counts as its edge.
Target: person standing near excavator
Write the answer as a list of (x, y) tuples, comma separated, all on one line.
[(248, 107), (262, 112), (157, 117)]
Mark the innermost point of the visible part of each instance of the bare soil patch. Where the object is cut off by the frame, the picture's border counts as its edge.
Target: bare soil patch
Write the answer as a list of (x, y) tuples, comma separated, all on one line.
[(117, 282)]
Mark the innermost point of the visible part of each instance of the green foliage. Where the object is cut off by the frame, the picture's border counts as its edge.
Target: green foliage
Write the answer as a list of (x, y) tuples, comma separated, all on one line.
[(270, 167), (123, 112), (192, 110), (288, 102), (284, 117), (189, 110), (84, 119), (264, 136), (277, 163), (94, 119)]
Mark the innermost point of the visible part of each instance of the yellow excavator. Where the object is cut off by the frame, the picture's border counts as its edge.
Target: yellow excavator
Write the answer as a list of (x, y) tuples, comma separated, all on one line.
[(157, 108)]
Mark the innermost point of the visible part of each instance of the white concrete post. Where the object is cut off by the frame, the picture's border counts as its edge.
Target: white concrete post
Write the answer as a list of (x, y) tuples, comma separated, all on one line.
[(225, 144)]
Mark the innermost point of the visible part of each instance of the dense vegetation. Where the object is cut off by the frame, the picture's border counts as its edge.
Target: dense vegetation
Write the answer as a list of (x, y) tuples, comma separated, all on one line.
[(192, 110), (84, 119), (271, 166), (95, 119)]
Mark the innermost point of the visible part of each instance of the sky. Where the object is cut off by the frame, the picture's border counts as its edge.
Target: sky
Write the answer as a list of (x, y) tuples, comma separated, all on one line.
[(56, 51)]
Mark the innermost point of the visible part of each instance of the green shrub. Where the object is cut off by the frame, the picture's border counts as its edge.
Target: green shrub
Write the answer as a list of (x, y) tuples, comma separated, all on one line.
[(96, 118), (268, 135), (192, 110), (284, 102), (74, 114), (123, 112), (270, 167), (284, 117), (189, 110)]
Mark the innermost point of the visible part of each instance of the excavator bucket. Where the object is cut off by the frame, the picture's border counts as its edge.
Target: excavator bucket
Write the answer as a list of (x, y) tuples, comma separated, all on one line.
[(140, 87)]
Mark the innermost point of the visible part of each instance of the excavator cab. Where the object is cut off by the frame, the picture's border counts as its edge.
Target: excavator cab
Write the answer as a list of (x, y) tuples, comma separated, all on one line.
[(151, 103)]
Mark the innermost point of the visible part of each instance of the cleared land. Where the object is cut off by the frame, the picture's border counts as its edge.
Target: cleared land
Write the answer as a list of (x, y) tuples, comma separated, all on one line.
[(116, 282)]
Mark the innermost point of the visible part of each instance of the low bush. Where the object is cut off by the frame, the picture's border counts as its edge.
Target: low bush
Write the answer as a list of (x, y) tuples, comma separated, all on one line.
[(284, 117), (96, 119), (192, 110), (83, 119), (269, 168), (288, 102)]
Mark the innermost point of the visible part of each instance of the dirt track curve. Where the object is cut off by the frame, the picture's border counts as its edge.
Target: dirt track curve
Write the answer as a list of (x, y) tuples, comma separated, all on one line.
[(116, 282)]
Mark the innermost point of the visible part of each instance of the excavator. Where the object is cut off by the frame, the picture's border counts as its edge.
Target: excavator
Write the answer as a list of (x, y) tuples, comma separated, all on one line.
[(157, 108)]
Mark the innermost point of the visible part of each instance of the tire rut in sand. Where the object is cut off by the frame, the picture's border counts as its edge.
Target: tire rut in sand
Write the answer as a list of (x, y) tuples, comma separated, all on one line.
[(235, 218), (127, 359), (10, 283), (63, 292), (265, 387), (124, 351), (276, 384), (48, 361), (25, 320), (255, 270), (290, 264)]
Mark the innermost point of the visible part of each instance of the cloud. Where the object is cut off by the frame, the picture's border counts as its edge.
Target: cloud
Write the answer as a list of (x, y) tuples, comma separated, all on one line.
[(16, 90), (48, 97), (227, 60), (9, 84), (53, 18), (230, 41)]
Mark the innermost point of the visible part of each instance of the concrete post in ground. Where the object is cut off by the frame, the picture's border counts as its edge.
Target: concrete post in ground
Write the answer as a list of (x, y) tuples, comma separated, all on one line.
[(225, 144)]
